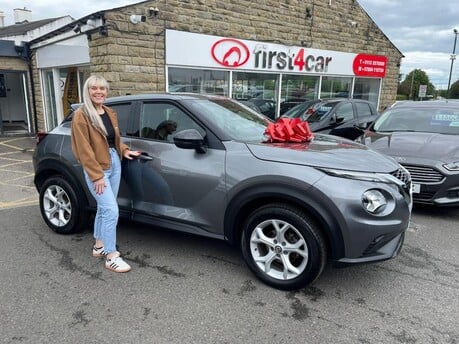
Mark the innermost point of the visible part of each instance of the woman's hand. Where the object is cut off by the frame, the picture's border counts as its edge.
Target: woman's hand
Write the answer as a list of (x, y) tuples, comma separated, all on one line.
[(99, 186), (128, 154)]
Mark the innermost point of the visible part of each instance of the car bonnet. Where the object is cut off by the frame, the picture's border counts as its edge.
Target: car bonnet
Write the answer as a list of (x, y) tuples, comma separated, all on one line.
[(430, 146), (325, 151)]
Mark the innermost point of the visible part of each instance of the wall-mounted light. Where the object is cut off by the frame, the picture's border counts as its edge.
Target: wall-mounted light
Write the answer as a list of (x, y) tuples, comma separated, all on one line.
[(308, 13), (137, 18)]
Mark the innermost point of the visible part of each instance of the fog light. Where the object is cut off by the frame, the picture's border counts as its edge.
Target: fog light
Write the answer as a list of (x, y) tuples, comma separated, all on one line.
[(373, 201)]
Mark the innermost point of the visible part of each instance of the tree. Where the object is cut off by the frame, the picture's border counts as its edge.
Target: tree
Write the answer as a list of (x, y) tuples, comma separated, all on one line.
[(410, 86), (454, 91)]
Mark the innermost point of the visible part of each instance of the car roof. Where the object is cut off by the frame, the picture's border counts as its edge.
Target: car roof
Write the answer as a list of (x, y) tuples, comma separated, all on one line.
[(175, 96), (431, 103)]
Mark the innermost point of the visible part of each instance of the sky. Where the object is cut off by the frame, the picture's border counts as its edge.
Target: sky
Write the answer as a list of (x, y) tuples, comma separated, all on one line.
[(421, 29)]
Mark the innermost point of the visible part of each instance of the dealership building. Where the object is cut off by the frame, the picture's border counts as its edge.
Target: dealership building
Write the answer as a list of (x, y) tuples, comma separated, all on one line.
[(275, 52)]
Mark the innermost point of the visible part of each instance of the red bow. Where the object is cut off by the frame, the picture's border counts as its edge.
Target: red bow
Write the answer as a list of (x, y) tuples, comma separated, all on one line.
[(289, 130)]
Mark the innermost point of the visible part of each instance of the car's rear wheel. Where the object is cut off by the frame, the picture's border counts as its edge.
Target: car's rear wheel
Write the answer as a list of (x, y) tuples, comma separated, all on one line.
[(61, 208), (283, 246)]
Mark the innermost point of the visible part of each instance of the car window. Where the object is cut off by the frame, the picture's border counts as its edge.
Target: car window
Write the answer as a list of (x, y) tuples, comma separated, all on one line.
[(162, 121), (123, 111), (363, 109), (444, 121), (321, 110), (344, 111)]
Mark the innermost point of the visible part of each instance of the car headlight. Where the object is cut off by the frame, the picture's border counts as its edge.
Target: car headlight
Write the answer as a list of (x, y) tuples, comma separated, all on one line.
[(373, 201), (365, 176), (452, 166)]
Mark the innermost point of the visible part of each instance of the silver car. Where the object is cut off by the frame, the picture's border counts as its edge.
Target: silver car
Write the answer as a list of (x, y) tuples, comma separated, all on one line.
[(290, 207), (424, 138)]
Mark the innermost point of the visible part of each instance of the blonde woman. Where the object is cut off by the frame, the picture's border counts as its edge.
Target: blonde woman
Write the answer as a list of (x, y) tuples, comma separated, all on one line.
[(96, 144)]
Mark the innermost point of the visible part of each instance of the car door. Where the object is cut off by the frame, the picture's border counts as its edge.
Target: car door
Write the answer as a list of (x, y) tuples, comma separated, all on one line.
[(124, 111), (345, 119), (366, 114), (171, 185)]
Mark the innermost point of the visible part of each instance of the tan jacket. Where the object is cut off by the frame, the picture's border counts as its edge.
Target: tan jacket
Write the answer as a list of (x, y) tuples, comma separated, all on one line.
[(90, 146)]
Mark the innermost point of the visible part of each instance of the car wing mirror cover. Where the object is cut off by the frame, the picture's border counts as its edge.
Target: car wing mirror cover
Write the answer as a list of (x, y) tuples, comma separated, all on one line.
[(190, 139)]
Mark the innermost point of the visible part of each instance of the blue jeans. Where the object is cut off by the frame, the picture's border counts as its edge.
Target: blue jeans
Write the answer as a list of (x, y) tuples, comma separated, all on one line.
[(107, 205)]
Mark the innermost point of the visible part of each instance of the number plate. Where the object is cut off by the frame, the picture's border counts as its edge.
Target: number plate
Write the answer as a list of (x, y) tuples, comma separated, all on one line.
[(415, 188)]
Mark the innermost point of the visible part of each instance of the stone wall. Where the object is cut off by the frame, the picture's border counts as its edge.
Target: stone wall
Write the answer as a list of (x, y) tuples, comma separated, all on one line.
[(132, 56), (13, 64)]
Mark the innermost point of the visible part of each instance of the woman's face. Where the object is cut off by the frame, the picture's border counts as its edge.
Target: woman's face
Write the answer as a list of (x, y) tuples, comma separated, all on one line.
[(98, 94)]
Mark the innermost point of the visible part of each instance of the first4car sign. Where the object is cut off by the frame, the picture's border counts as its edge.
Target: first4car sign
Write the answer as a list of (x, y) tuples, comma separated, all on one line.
[(217, 52)]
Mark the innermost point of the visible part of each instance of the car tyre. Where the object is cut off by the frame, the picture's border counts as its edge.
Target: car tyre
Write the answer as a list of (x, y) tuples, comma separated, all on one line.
[(61, 207), (283, 246)]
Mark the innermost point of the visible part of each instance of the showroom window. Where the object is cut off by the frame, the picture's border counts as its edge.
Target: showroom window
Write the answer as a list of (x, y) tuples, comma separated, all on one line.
[(297, 89), (335, 87), (198, 81), (367, 89), (261, 91)]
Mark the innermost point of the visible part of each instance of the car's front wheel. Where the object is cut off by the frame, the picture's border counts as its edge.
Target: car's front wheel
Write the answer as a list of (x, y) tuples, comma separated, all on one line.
[(283, 246), (61, 208)]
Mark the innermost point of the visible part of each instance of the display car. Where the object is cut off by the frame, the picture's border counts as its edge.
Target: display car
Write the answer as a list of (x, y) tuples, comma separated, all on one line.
[(290, 207), (424, 138), (342, 117)]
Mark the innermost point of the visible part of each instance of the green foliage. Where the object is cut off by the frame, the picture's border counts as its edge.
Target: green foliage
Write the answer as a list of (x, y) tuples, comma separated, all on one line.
[(410, 86), (454, 91)]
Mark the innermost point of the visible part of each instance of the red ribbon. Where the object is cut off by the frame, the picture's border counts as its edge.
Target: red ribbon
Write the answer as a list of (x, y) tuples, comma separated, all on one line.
[(289, 130)]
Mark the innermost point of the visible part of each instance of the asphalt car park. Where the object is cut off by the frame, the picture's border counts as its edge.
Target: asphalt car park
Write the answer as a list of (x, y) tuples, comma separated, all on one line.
[(187, 289)]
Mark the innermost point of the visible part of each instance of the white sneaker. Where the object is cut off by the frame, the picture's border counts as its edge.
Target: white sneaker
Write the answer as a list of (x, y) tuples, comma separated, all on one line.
[(98, 252), (117, 264)]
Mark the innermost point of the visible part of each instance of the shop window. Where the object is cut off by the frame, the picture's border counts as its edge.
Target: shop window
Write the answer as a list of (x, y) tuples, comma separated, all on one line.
[(258, 89), (198, 81), (335, 87), (297, 89), (367, 89)]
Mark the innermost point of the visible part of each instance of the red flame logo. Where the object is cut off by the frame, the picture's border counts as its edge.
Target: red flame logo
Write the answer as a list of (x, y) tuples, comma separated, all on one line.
[(230, 52)]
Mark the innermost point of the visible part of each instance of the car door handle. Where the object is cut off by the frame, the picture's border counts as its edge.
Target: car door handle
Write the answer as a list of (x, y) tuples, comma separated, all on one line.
[(144, 156)]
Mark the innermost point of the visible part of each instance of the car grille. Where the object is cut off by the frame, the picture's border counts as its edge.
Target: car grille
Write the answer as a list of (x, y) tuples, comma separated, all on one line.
[(424, 174), (401, 175)]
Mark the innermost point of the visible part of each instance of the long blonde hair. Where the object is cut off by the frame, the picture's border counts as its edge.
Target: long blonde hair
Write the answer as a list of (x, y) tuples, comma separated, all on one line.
[(88, 107)]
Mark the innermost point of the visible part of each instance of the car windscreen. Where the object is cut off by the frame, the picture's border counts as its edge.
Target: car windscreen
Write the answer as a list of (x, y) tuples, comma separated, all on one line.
[(419, 119), (320, 111), (238, 121)]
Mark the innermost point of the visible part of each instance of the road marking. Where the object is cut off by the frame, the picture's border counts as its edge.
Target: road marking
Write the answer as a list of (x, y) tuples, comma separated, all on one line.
[(19, 203)]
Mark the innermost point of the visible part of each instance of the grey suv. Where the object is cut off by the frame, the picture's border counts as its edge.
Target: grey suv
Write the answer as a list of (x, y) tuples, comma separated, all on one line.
[(290, 207)]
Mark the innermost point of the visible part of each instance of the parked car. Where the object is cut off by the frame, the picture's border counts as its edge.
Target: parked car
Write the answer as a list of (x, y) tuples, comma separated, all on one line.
[(290, 207), (302, 110), (266, 107), (424, 138), (341, 117)]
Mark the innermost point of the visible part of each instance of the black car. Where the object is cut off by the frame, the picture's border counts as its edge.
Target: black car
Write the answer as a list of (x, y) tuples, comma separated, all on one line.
[(424, 138), (302, 110), (290, 207), (341, 117)]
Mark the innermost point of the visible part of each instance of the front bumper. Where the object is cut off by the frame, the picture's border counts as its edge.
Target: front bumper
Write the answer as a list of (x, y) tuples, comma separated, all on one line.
[(383, 249)]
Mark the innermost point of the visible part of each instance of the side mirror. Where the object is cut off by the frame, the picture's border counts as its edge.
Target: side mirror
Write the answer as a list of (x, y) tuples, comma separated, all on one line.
[(190, 139)]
